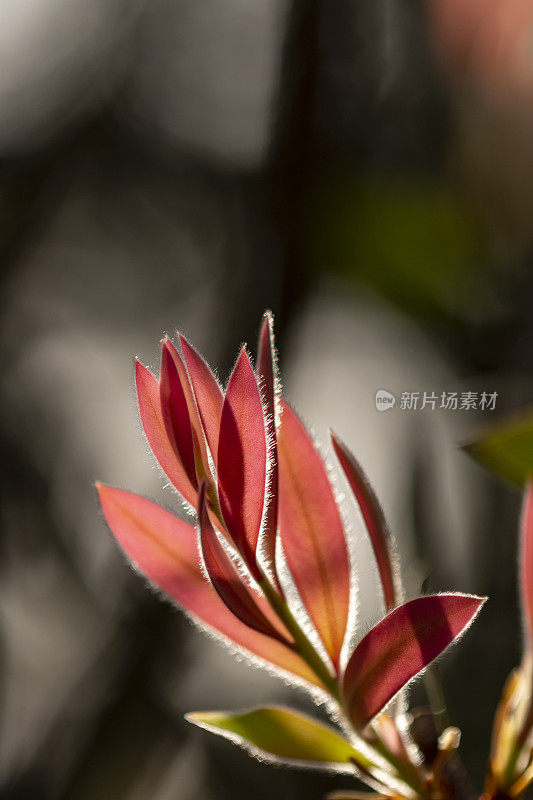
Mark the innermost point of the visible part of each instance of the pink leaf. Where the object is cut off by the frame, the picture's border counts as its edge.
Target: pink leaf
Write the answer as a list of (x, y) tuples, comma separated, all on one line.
[(175, 411), (208, 394), (267, 375), (400, 646), (226, 580), (312, 533), (164, 548), (198, 433), (374, 519), (526, 566), (154, 428), (242, 461)]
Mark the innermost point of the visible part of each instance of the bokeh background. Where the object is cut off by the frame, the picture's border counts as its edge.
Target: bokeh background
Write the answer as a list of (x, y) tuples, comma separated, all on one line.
[(363, 168)]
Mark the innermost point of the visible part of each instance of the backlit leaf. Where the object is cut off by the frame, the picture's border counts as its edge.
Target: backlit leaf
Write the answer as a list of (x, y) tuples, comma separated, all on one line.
[(267, 375), (154, 427), (242, 460), (202, 463), (312, 533), (209, 397), (375, 522), (226, 580), (164, 548), (278, 733), (400, 646), (175, 412)]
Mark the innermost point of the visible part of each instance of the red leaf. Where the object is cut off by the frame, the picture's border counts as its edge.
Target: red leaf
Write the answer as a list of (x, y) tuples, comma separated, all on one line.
[(312, 533), (209, 397), (198, 433), (226, 580), (242, 461), (164, 548), (154, 428), (400, 646), (526, 566), (374, 519), (267, 375), (175, 411)]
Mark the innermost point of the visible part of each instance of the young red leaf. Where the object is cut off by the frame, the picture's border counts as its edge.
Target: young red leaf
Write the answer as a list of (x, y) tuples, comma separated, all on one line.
[(226, 580), (209, 397), (376, 525), (175, 411), (401, 646), (312, 534), (198, 433), (267, 361), (266, 373), (164, 548), (154, 428), (526, 559), (242, 461)]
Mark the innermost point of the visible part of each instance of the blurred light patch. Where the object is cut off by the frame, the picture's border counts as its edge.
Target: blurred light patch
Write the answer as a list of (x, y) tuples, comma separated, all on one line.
[(488, 43), (205, 78), (59, 59)]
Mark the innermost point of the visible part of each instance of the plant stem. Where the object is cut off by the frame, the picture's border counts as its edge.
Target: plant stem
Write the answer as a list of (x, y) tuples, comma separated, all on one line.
[(437, 701), (408, 772), (304, 646)]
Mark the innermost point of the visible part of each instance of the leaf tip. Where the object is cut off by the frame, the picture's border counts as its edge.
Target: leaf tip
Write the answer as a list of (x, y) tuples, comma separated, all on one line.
[(103, 490), (195, 718), (140, 369), (186, 346), (244, 355)]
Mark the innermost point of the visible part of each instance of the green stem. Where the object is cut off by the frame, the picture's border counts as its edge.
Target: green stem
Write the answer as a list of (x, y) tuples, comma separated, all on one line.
[(437, 701), (408, 772), (214, 502), (303, 645)]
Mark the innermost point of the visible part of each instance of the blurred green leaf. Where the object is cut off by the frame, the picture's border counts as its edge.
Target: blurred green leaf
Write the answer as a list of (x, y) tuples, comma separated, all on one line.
[(413, 240), (278, 733), (507, 447)]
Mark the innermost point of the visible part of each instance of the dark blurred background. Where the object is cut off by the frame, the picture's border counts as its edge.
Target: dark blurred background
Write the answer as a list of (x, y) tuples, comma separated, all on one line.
[(363, 168)]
